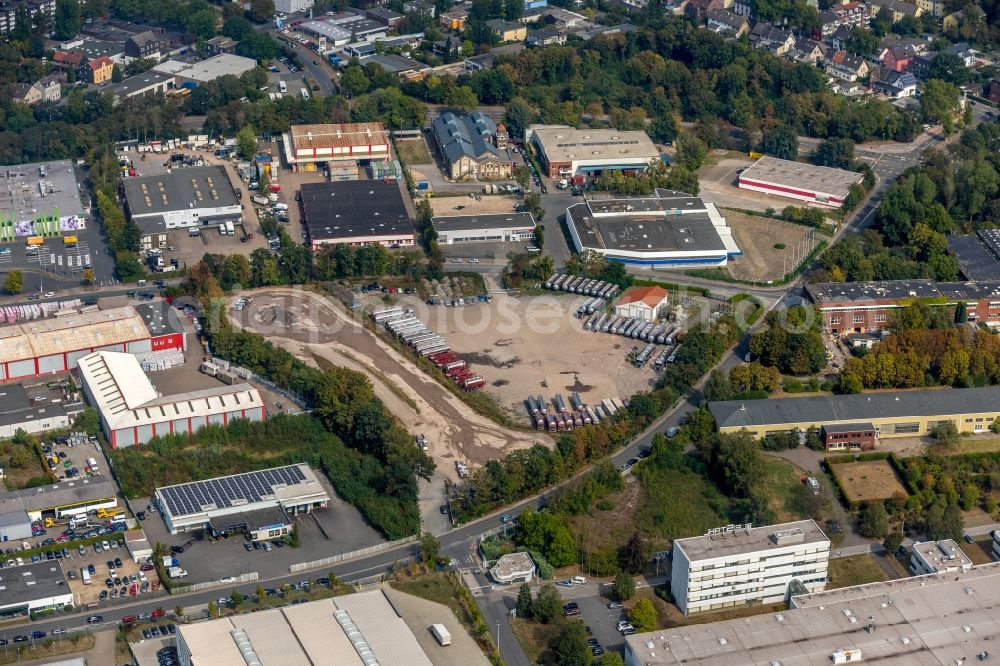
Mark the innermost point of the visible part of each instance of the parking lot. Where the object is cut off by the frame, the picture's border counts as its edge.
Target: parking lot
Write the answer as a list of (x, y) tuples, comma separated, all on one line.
[(595, 613), (120, 573), (146, 651), (325, 532)]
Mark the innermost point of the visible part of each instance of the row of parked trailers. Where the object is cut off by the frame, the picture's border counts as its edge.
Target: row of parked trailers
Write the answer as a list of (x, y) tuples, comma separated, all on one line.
[(560, 418), (581, 285), (638, 329), (402, 323)]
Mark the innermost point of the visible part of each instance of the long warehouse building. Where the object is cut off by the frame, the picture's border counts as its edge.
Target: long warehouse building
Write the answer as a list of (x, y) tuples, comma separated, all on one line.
[(60, 500), (132, 411), (796, 180), (489, 228), (56, 344), (889, 414)]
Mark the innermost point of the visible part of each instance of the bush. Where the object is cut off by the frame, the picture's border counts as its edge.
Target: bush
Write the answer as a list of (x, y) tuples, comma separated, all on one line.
[(545, 570)]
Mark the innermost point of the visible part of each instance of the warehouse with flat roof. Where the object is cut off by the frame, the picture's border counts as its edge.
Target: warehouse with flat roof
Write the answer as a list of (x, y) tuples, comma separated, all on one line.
[(36, 413), (361, 629), (566, 151), (227, 502), (132, 411), (185, 197), (190, 75), (934, 620), (33, 587), (667, 230), (35, 347), (800, 181), (39, 199), (62, 500), (349, 143), (892, 413), (490, 228), (356, 212)]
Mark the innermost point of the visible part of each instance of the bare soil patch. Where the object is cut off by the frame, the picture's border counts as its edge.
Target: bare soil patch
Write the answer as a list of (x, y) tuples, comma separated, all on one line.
[(868, 480), (757, 237)]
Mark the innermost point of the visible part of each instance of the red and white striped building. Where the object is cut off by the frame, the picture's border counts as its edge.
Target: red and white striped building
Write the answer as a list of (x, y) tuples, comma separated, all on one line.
[(345, 143), (133, 412), (54, 342), (800, 181)]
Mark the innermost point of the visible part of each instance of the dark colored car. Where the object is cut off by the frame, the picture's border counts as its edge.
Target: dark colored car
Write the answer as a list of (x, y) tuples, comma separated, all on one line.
[(95, 619)]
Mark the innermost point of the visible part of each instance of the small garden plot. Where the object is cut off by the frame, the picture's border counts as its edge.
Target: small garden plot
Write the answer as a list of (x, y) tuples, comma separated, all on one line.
[(868, 480)]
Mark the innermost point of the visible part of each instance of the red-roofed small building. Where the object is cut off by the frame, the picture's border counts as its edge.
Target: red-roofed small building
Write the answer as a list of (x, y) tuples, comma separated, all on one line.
[(642, 303)]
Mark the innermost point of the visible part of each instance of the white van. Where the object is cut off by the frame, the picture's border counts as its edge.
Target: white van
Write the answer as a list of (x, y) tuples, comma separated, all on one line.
[(280, 206), (304, 93), (282, 86)]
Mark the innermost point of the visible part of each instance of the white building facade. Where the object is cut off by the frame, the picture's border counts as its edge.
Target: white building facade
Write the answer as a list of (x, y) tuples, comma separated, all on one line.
[(744, 565), (932, 557)]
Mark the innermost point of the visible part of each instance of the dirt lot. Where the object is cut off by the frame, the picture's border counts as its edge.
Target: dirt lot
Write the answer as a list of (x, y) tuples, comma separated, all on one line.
[(470, 205), (868, 480), (535, 345), (413, 151), (757, 237)]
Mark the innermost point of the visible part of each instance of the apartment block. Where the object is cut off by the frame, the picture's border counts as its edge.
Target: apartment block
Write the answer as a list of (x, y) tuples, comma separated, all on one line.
[(742, 565)]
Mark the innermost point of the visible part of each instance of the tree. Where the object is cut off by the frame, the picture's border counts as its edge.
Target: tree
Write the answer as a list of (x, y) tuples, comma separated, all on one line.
[(547, 604), (67, 19), (14, 283), (837, 153), (260, 593), (354, 80), (524, 602), (623, 587), (571, 648), (430, 548), (71, 75), (88, 276), (893, 540), (246, 142), (518, 116), (938, 101), (213, 609), (522, 174), (612, 659), (179, 611), (945, 434), (632, 557), (237, 597), (461, 97), (261, 11), (781, 141), (643, 616), (873, 522), (945, 524)]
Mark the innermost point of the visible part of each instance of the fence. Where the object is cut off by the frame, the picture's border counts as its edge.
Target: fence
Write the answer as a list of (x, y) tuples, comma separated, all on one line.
[(370, 550), (291, 395), (194, 587)]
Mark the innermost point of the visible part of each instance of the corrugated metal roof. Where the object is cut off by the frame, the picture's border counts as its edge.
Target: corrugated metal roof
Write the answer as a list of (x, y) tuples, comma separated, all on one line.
[(311, 625), (384, 630), (861, 407)]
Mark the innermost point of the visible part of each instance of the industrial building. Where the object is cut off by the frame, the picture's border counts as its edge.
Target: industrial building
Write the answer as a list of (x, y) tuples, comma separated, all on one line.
[(191, 75), (292, 6), (742, 565), (60, 500), (565, 151), (185, 197), (238, 503), (920, 621), (141, 85), (936, 557), (15, 526), (860, 307), (35, 413), (667, 230), (361, 629), (346, 144), (356, 213), (132, 411), (489, 228), (642, 303), (978, 255), (39, 199), (800, 181), (513, 568), (473, 146), (341, 28), (891, 414), (33, 587), (56, 344)]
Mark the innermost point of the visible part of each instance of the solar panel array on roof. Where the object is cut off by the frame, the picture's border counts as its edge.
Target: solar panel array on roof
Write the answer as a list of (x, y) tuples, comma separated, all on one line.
[(227, 491)]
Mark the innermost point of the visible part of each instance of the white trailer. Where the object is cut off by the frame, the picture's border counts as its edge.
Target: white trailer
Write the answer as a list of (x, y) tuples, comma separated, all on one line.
[(441, 634)]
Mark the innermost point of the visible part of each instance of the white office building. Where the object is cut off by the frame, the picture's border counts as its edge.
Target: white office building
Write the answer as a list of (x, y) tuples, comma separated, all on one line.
[(292, 6), (744, 565), (932, 557)]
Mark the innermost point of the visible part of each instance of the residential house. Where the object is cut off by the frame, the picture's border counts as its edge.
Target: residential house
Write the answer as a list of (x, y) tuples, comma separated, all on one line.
[(775, 40), (51, 87), (838, 40), (700, 9), (806, 50), (898, 58), (385, 16), (897, 8), (143, 45), (454, 19), (508, 31), (219, 45), (546, 36), (994, 91), (935, 8), (26, 93), (479, 63), (473, 146), (67, 60), (921, 65), (852, 15), (99, 70), (970, 15), (963, 51), (847, 67), (727, 23), (896, 84)]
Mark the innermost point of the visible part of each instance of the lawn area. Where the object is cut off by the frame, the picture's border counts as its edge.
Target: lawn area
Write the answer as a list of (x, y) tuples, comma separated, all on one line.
[(856, 570), (677, 503), (413, 151), (977, 444), (669, 615), (535, 638), (785, 483), (50, 648)]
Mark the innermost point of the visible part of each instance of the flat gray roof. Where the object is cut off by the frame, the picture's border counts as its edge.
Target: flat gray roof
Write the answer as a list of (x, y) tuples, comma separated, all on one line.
[(159, 318), (14, 518), (205, 187), (22, 186), (836, 182), (858, 407), (932, 620), (58, 494), (16, 406), (491, 221), (725, 543), (850, 427), (137, 83), (975, 260), (31, 582), (566, 144), (848, 292)]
